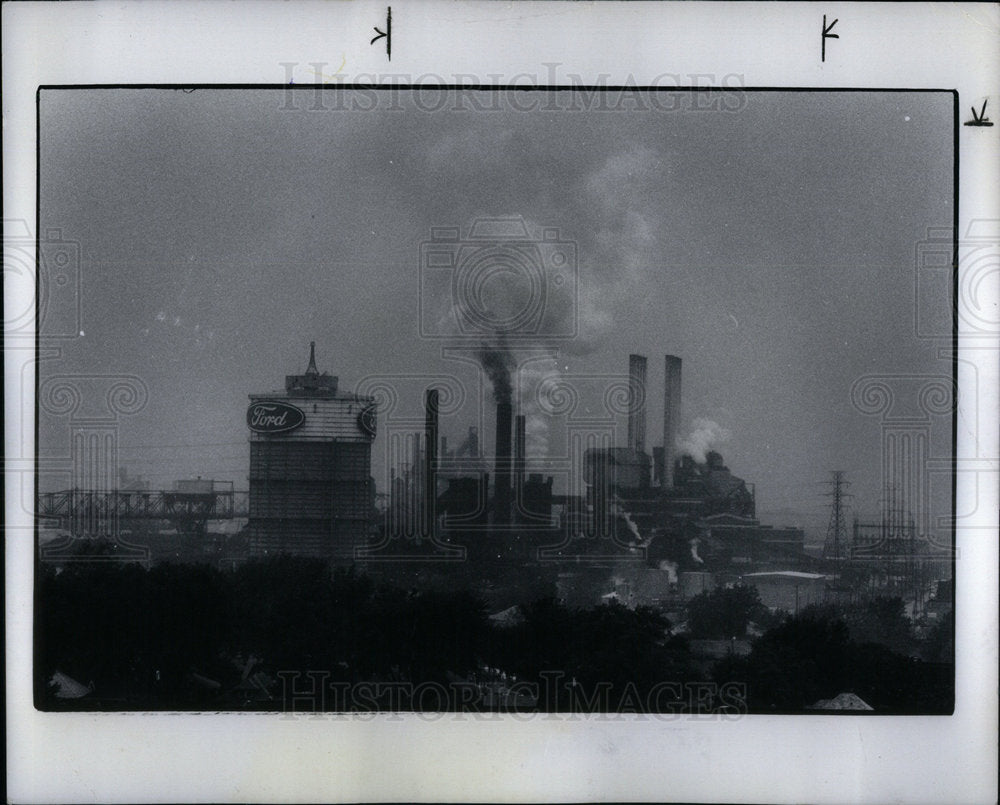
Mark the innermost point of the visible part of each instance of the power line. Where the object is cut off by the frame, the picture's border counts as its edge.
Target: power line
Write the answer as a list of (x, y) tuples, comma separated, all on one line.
[(836, 532)]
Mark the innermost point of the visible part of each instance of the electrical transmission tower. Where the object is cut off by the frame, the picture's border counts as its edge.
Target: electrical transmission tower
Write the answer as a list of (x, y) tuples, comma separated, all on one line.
[(835, 546)]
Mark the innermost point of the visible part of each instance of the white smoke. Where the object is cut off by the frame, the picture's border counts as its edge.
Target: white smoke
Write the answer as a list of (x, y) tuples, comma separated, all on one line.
[(516, 363), (704, 436), (670, 568), (617, 256), (694, 551), (623, 249), (532, 373), (619, 511)]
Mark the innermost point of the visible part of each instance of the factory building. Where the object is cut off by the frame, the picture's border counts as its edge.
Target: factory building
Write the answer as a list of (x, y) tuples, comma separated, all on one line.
[(504, 525), (790, 590), (745, 541), (693, 512), (661, 488), (311, 490), (691, 515)]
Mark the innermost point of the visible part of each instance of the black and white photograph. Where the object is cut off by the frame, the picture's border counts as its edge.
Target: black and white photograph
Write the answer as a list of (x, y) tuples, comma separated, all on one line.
[(587, 400), (575, 401)]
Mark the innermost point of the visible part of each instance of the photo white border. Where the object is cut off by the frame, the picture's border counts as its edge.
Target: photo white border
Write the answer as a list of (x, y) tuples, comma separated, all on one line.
[(256, 757)]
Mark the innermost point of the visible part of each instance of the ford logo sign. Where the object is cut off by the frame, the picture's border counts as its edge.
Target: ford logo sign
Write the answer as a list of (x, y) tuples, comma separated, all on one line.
[(273, 417)]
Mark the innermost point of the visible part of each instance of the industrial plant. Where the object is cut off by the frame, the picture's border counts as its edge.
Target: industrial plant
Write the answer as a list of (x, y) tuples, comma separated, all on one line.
[(478, 548), (493, 479), (654, 524), (665, 515)]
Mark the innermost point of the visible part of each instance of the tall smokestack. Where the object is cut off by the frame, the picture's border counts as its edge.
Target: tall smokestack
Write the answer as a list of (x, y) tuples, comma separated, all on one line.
[(520, 444), (637, 403), (671, 417), (430, 461), (501, 486), (415, 488)]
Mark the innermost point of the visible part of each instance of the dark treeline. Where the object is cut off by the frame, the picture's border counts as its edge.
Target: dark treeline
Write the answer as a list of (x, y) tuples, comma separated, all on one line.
[(191, 637), (823, 649), (162, 637)]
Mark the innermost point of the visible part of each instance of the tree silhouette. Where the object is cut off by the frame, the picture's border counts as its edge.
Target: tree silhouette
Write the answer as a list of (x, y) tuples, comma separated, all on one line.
[(724, 612), (883, 621), (811, 656)]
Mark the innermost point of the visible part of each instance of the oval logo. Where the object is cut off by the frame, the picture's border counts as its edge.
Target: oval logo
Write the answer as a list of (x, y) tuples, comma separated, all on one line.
[(273, 417)]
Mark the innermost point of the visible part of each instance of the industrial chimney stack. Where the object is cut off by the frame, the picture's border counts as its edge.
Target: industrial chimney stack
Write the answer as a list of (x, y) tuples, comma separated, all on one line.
[(430, 458), (501, 487), (671, 418), (637, 403), (520, 446)]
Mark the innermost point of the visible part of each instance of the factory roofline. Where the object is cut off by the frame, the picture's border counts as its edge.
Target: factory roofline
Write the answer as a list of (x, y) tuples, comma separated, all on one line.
[(267, 395)]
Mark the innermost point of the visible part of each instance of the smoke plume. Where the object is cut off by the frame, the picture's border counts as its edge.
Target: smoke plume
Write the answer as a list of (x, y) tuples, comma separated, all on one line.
[(619, 511), (705, 435), (498, 362), (670, 568), (694, 551)]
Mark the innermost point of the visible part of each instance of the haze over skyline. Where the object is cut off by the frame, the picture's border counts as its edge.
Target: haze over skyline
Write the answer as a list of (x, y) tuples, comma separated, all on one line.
[(771, 247)]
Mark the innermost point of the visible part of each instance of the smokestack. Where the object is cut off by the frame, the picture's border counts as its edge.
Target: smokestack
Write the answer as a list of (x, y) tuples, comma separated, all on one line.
[(430, 461), (501, 486), (658, 465), (520, 444), (671, 417), (637, 403), (482, 505), (417, 464), (414, 488)]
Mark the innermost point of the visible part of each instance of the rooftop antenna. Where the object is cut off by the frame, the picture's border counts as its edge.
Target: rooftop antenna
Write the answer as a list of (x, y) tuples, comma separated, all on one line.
[(311, 368)]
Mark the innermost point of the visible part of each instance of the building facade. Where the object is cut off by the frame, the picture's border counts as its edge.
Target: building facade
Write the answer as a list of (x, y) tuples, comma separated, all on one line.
[(311, 490)]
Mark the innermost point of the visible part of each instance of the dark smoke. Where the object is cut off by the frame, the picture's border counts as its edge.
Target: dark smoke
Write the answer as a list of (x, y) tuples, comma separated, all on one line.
[(498, 363)]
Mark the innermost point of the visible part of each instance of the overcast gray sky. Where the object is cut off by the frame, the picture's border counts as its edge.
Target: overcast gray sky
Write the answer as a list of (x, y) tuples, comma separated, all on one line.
[(771, 247)]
